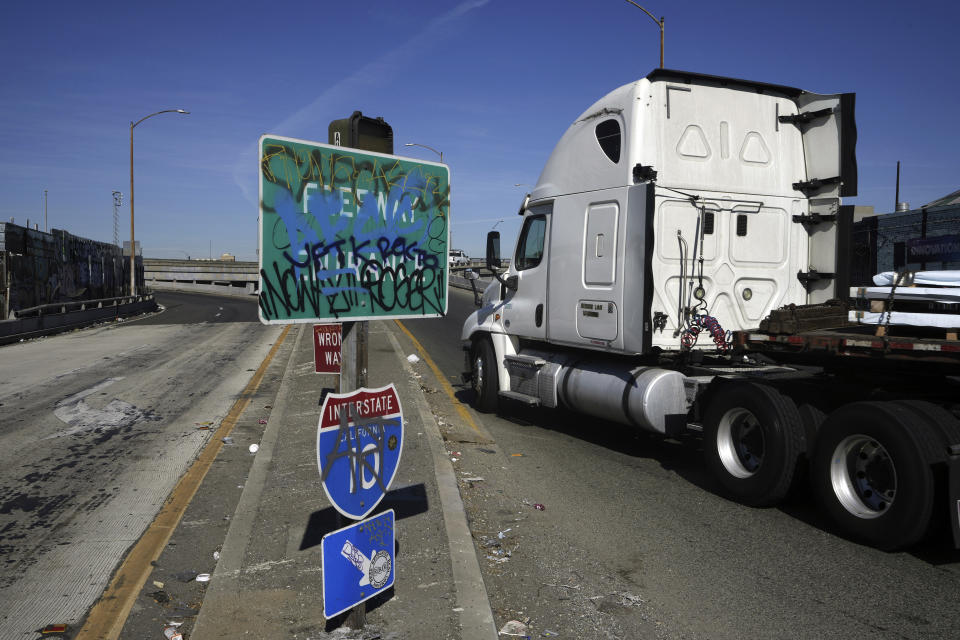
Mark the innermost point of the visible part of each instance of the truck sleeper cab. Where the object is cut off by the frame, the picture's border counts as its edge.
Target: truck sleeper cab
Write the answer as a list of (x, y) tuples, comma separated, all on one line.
[(674, 210)]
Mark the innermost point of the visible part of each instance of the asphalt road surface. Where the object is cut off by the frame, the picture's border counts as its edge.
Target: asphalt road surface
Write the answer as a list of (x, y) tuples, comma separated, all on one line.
[(635, 540), (96, 427)]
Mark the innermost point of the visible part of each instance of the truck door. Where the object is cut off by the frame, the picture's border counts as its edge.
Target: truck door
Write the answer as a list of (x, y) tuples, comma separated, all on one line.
[(524, 311)]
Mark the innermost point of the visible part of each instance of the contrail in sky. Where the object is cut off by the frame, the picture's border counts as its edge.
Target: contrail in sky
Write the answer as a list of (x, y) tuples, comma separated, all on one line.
[(366, 76)]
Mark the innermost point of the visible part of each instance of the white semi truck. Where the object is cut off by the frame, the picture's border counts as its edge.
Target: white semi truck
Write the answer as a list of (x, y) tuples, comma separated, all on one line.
[(679, 258)]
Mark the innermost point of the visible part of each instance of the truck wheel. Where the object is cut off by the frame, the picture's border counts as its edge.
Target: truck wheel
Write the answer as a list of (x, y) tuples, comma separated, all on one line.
[(872, 472), (486, 380), (940, 420), (753, 437)]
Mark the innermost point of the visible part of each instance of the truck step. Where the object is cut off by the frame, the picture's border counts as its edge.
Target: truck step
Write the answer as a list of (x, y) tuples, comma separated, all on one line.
[(525, 360), (523, 398)]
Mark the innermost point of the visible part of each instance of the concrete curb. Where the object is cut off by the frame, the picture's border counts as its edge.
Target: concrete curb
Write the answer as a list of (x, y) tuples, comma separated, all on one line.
[(226, 576), (476, 617)]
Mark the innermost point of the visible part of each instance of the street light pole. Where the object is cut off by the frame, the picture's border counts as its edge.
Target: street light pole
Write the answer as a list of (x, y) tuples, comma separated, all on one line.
[(414, 144), (133, 244), (45, 227), (659, 22)]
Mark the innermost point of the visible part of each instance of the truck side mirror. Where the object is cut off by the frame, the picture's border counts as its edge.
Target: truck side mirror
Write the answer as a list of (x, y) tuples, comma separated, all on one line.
[(493, 250)]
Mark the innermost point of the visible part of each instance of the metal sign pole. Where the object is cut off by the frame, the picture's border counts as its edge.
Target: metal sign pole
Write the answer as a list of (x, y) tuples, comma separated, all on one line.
[(353, 375)]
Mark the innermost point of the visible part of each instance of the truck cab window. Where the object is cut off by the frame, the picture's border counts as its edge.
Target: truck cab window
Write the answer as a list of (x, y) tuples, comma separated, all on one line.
[(608, 135), (530, 247)]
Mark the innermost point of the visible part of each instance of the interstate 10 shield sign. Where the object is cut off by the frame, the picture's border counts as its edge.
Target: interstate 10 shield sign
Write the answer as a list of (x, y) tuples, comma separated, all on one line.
[(359, 441)]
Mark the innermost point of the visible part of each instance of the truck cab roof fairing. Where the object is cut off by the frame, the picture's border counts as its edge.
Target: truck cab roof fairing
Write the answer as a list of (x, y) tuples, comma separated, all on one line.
[(578, 161), (687, 77)]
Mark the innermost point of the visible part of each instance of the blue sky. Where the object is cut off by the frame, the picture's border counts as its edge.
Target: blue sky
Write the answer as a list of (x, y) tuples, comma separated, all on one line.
[(491, 83)]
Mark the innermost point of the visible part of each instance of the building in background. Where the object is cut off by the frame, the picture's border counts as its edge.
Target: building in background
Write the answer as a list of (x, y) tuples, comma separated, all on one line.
[(926, 238)]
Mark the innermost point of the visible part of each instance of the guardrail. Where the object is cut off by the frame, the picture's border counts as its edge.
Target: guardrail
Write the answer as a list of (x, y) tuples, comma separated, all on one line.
[(47, 319)]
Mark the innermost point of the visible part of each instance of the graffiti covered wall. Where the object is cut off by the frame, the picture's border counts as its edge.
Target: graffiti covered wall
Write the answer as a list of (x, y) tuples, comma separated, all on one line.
[(45, 268), (350, 235)]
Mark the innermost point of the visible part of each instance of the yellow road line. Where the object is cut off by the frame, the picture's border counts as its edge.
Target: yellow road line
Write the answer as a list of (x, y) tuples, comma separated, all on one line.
[(109, 614), (447, 389)]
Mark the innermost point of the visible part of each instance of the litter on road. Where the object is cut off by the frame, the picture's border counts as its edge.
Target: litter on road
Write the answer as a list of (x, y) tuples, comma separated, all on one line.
[(171, 633), (54, 628), (539, 507), (185, 576), (412, 358), (254, 448), (228, 440), (262, 421), (514, 628), (203, 577)]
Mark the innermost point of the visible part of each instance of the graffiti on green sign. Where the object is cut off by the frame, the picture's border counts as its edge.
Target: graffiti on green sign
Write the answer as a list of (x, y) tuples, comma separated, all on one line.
[(347, 234)]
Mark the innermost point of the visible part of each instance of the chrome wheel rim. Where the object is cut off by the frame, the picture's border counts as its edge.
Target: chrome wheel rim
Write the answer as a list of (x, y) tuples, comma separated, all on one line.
[(863, 476), (740, 443), (478, 374)]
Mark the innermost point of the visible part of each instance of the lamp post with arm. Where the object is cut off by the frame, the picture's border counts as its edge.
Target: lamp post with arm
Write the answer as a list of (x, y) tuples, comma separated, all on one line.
[(659, 24), (133, 253), (414, 144)]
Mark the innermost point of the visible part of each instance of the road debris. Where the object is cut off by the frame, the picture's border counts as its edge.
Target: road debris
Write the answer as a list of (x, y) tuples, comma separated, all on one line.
[(505, 531), (539, 507), (227, 440), (203, 577), (261, 421), (185, 576), (477, 479), (172, 633), (413, 358), (160, 597), (216, 555), (546, 633), (514, 628), (53, 629), (516, 455), (254, 448), (158, 584)]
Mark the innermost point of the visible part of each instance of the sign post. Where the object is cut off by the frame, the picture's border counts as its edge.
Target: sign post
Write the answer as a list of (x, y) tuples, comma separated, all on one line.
[(359, 445), (349, 236)]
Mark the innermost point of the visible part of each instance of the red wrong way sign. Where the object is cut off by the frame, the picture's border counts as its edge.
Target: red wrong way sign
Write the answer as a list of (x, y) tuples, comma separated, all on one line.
[(326, 347)]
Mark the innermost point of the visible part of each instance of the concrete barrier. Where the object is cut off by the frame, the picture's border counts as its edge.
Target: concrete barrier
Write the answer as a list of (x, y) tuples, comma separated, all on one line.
[(248, 289), (54, 318)]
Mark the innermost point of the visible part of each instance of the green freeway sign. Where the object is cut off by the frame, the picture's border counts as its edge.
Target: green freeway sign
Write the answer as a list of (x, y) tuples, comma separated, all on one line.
[(350, 235)]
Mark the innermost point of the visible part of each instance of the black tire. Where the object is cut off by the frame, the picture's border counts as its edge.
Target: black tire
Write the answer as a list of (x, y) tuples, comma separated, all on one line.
[(940, 420), (485, 378), (812, 418), (752, 438), (872, 472)]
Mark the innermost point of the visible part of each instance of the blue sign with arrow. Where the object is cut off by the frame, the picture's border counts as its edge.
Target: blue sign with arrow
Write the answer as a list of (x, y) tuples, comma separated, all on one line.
[(359, 442), (358, 563)]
